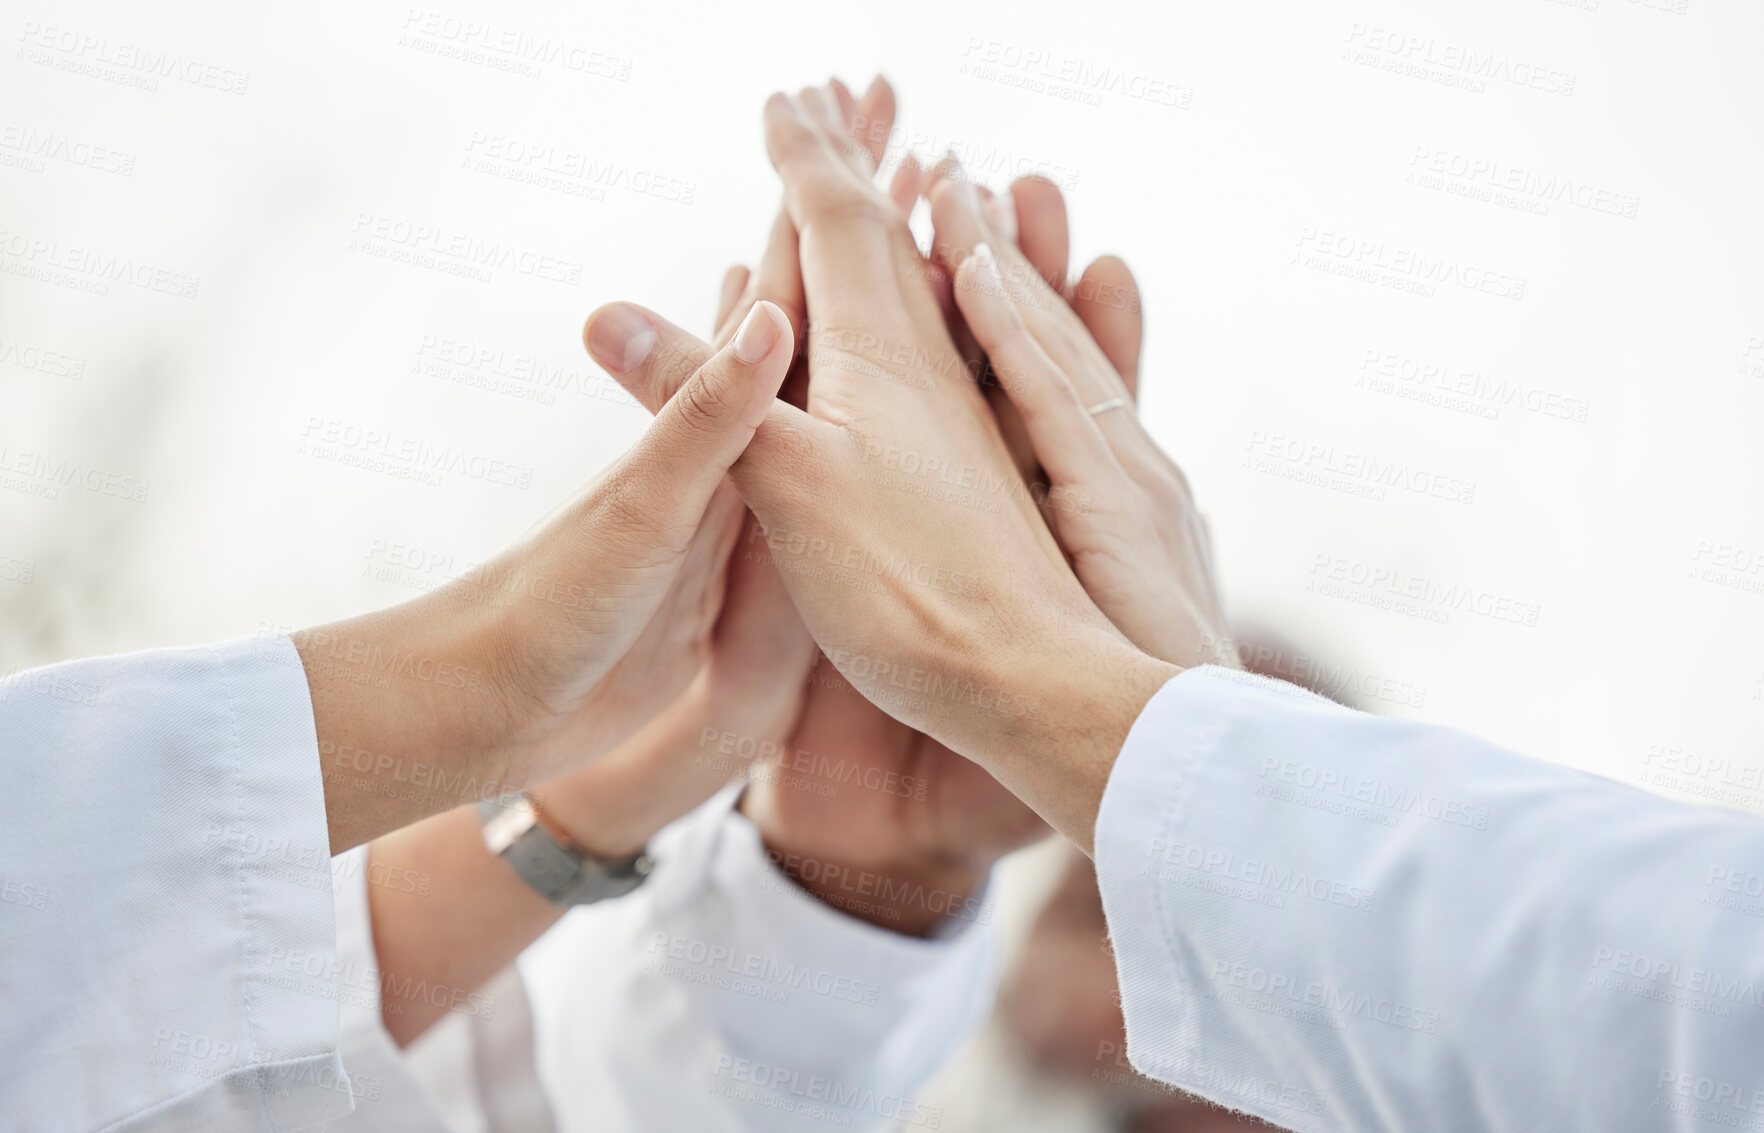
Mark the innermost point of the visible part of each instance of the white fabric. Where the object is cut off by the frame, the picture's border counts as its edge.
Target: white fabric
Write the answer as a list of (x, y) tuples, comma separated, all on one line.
[(1341, 922), (165, 896), (182, 953), (804, 1015)]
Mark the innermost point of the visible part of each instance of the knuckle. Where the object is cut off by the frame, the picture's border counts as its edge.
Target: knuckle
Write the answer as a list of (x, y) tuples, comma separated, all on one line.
[(670, 365), (834, 200), (702, 403)]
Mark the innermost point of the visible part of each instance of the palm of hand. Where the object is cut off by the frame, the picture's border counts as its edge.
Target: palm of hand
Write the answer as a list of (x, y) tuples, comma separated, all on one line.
[(585, 713)]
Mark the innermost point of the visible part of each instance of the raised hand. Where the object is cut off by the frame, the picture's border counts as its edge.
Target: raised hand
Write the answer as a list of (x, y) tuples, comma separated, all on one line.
[(923, 566), (1069, 365), (562, 646)]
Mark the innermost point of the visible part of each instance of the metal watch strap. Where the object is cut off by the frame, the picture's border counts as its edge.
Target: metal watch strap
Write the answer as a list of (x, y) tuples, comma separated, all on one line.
[(559, 873)]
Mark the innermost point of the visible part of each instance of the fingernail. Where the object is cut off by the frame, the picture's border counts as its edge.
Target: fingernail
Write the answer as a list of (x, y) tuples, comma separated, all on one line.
[(620, 338), (984, 265), (1003, 211), (758, 334)]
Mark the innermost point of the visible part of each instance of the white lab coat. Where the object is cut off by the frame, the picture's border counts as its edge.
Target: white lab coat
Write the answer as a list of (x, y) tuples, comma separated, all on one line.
[(717, 997), (1327, 919), (180, 952), (1341, 922)]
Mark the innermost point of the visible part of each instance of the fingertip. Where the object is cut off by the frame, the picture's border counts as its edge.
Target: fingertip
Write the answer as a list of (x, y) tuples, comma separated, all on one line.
[(842, 97), (619, 336), (779, 107), (763, 332), (1106, 300)]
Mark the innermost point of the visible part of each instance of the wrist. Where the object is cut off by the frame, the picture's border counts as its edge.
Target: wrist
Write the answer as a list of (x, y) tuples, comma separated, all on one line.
[(410, 720), (1082, 691)]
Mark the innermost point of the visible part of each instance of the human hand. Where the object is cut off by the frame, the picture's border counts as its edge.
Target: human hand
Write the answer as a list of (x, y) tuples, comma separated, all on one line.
[(934, 585), (748, 696), (562, 646), (1121, 508)]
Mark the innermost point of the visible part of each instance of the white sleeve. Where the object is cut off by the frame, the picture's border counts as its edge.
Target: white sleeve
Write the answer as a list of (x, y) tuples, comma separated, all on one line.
[(165, 896), (389, 1097), (1341, 922), (721, 997)]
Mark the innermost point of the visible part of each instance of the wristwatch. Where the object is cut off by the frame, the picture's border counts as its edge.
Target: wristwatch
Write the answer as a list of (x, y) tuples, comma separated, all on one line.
[(557, 871)]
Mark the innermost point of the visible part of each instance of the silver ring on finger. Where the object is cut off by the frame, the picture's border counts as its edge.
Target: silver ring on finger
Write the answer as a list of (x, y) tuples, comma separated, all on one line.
[(1102, 407)]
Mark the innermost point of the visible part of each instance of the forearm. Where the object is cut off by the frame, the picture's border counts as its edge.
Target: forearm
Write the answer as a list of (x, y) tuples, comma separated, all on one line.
[(1080, 701), (440, 945), (478, 914), (408, 718)]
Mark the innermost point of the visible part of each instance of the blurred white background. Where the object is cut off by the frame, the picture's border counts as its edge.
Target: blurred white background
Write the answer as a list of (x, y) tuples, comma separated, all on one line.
[(1508, 251)]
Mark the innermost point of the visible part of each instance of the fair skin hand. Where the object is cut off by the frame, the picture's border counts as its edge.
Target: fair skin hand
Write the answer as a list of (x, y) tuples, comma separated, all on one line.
[(870, 815), (1123, 512), (1016, 668), (893, 805), (476, 915), (563, 646)]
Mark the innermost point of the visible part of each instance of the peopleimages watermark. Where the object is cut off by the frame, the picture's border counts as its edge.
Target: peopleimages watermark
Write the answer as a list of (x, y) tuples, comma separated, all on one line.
[(1450, 64), (22, 147), (1336, 679), (1714, 778), (24, 894), (337, 441), (324, 975), (1066, 77), (395, 777), (1416, 595), (39, 474), (1352, 473), (1712, 1100), (1362, 796), (1228, 873), (813, 1095), (1236, 1085), (1399, 268), (890, 682), (720, 965), (1312, 1001), (1728, 564), (1735, 889), (54, 363), (193, 1054), (1672, 981), (1461, 390), (1518, 187), (570, 172), (861, 568), (321, 648), (507, 49), (723, 750), (864, 890), (88, 270), (511, 373), (124, 63), (462, 254)]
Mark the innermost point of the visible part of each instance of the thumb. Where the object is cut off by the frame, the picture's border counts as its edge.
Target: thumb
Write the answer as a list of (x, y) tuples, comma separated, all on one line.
[(708, 421)]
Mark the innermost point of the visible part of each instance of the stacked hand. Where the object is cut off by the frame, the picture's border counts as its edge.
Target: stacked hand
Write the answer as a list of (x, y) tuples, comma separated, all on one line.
[(913, 549), (965, 569)]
